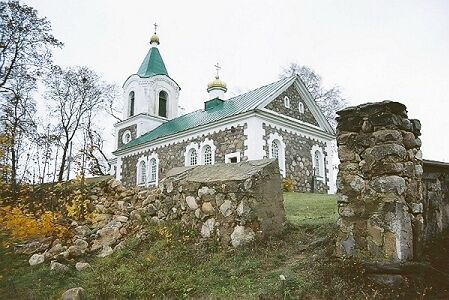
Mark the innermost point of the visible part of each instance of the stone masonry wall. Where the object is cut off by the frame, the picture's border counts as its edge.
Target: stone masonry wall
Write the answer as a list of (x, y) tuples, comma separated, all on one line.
[(435, 199), (132, 129), (298, 160), (226, 141), (379, 182), (278, 106)]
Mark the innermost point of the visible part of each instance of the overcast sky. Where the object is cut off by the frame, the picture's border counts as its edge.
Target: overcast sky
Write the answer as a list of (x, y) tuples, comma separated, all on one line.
[(374, 50)]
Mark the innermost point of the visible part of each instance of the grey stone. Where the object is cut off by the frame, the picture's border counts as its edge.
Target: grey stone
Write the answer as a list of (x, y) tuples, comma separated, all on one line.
[(80, 266), (191, 202), (105, 251), (208, 228), (348, 245), (388, 184), (241, 236), (207, 209), (121, 219), (36, 259), (77, 293), (58, 267), (226, 208)]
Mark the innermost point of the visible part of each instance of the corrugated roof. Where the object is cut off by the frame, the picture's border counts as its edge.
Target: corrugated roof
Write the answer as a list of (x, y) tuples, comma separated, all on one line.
[(152, 64), (236, 105)]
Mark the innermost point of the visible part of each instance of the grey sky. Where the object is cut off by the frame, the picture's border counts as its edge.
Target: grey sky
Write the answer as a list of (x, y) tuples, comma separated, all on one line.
[(374, 50)]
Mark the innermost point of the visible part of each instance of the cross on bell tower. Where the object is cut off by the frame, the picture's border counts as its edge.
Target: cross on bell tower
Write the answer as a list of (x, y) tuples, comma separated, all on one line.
[(155, 27), (217, 67)]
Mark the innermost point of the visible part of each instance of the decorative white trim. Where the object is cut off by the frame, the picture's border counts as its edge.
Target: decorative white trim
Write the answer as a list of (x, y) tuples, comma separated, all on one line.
[(232, 155), (321, 168), (138, 171), (118, 174), (254, 141), (189, 147), (210, 143), (154, 156)]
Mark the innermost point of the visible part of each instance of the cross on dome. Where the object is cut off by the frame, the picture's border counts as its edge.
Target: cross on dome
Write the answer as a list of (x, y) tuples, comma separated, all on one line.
[(217, 67), (155, 27)]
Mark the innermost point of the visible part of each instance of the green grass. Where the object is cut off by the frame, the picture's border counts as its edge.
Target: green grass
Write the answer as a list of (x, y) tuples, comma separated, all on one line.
[(159, 266)]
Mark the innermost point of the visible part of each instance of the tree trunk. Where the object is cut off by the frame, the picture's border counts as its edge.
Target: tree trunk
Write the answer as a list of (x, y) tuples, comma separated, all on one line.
[(63, 160)]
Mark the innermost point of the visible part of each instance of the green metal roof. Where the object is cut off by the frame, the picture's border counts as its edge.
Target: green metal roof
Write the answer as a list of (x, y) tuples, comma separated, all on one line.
[(152, 64), (234, 106)]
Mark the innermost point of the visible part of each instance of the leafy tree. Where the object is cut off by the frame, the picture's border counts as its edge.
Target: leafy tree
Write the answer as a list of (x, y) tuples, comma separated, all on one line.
[(76, 95), (25, 42), (329, 100)]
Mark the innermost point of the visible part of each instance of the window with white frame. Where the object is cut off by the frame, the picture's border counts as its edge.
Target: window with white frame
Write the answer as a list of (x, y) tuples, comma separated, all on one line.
[(301, 107), (142, 176), (207, 155), (277, 150), (287, 102), (207, 152), (153, 171), (232, 157), (126, 137), (193, 157), (318, 162)]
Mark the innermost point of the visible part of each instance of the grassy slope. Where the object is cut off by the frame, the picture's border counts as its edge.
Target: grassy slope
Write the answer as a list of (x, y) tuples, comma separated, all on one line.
[(168, 263)]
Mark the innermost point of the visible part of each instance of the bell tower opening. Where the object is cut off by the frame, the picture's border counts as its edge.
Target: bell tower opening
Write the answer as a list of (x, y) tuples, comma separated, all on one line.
[(131, 103), (163, 104)]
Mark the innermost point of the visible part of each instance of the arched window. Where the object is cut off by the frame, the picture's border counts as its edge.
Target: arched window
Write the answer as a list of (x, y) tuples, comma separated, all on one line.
[(207, 155), (142, 172), (276, 149), (153, 170), (287, 102), (131, 103), (318, 164), (301, 107), (127, 137), (163, 104), (193, 157)]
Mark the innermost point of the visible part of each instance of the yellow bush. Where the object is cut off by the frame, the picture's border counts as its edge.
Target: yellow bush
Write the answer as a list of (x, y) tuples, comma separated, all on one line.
[(287, 184), (22, 225)]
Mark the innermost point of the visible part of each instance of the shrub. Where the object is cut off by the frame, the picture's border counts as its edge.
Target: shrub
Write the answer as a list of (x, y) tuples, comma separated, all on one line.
[(287, 184)]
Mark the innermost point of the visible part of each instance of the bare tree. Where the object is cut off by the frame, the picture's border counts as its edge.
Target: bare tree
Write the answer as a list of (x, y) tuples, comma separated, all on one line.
[(329, 100), (25, 42), (17, 114), (75, 94)]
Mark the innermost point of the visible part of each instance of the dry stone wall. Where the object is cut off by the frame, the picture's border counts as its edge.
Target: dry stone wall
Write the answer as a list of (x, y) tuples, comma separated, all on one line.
[(379, 182), (435, 198)]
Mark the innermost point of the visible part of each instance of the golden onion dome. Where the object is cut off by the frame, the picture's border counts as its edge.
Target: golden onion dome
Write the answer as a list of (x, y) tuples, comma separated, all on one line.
[(217, 84), (154, 39)]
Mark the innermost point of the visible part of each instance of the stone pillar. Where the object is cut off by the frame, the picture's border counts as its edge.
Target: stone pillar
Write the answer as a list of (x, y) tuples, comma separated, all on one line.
[(379, 182)]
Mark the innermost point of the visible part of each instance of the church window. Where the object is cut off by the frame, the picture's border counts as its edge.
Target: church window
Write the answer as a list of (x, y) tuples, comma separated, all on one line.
[(232, 157), (142, 172), (131, 103), (193, 157), (301, 107), (207, 155), (318, 162), (163, 104), (126, 137), (287, 102), (153, 171), (277, 150)]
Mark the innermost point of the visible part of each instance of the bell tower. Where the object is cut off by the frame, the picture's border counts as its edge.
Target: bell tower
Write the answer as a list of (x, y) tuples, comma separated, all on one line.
[(150, 97)]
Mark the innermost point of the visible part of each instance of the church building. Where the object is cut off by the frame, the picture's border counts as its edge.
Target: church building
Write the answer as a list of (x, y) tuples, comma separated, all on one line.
[(278, 120)]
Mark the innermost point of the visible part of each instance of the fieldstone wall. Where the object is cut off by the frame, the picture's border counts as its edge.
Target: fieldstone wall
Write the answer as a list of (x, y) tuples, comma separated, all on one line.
[(436, 198), (170, 156), (298, 160), (379, 182), (232, 203), (278, 106)]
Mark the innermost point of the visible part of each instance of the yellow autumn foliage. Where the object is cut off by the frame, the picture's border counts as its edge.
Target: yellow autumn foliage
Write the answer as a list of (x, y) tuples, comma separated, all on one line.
[(23, 225)]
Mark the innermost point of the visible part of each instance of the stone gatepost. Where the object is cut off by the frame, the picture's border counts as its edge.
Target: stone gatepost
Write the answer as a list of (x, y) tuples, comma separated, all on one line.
[(379, 182)]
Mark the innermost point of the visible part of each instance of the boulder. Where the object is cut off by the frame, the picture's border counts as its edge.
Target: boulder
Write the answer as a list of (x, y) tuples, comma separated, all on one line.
[(73, 294), (36, 259), (241, 236), (58, 267), (81, 266)]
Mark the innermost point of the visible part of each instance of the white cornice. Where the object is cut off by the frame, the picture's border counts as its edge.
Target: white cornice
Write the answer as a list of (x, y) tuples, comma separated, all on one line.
[(138, 116)]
